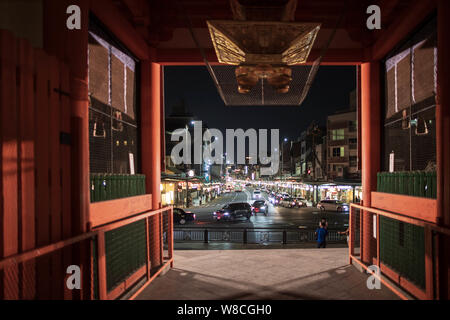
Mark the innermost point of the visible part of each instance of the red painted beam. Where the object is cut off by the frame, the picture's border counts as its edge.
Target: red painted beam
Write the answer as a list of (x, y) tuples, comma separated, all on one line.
[(404, 24), (114, 20), (192, 56)]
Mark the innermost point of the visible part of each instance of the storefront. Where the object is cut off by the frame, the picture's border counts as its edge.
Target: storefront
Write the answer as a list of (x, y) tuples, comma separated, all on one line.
[(342, 192)]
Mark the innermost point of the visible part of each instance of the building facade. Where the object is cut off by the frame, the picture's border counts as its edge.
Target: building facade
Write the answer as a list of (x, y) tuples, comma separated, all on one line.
[(342, 146)]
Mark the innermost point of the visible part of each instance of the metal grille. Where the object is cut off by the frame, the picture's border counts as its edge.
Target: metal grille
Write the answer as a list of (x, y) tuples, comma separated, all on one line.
[(356, 230), (262, 93), (126, 252), (251, 235), (29, 280), (410, 103), (113, 121), (402, 247), (165, 234)]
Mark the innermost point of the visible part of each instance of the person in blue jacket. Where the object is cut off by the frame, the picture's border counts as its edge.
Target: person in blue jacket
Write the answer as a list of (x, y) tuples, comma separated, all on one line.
[(321, 234)]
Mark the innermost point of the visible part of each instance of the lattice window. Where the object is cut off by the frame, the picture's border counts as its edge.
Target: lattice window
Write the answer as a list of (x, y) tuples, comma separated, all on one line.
[(113, 122), (410, 102)]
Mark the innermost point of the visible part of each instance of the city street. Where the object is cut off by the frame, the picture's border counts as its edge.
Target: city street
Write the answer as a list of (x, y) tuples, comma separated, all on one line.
[(278, 217)]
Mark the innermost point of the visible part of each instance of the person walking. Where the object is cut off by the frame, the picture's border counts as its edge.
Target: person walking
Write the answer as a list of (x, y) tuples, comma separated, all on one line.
[(347, 233), (321, 234)]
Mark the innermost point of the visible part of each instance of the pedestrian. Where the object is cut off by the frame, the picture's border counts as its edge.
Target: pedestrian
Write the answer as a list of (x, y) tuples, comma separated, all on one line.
[(325, 222), (321, 234), (347, 233)]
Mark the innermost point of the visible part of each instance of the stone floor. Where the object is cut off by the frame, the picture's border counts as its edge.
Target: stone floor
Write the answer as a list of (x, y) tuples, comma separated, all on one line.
[(312, 274)]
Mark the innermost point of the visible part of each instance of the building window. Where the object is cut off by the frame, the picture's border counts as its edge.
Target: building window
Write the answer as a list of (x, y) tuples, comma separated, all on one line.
[(410, 102), (338, 134), (352, 126), (353, 161), (338, 152), (113, 121)]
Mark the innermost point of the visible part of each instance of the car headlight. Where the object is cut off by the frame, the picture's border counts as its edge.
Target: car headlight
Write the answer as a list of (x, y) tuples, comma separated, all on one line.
[(226, 214)]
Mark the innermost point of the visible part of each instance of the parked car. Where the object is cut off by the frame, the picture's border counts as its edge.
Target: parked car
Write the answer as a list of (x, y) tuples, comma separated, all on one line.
[(182, 217), (333, 205), (233, 211), (300, 202), (260, 206), (257, 194)]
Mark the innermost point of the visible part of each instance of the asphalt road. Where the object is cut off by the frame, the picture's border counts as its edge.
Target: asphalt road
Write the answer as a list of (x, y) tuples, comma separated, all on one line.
[(279, 217)]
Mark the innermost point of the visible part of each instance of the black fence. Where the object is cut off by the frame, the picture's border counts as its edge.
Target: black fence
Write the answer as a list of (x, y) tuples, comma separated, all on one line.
[(251, 235)]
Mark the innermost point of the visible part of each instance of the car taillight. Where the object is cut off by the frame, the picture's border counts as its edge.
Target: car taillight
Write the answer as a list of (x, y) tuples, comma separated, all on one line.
[(256, 209)]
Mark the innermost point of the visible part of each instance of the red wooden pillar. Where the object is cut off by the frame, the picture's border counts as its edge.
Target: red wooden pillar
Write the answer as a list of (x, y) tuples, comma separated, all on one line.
[(370, 134), (151, 147), (442, 143)]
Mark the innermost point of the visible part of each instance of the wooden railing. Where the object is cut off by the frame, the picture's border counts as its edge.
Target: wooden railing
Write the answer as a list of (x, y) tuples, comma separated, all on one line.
[(413, 233), (97, 271)]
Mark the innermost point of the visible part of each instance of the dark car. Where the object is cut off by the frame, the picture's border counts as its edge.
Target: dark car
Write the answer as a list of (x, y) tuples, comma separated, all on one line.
[(260, 206), (182, 217), (233, 211)]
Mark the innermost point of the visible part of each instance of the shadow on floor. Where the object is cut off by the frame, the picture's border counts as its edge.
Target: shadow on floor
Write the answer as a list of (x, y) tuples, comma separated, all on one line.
[(295, 274)]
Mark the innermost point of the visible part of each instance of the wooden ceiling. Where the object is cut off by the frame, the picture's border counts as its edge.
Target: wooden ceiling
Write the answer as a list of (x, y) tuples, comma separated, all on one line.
[(164, 24)]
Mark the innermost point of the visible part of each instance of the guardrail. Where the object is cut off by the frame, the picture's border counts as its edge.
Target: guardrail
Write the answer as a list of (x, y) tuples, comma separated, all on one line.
[(110, 260), (116, 186), (411, 183), (251, 235), (402, 247)]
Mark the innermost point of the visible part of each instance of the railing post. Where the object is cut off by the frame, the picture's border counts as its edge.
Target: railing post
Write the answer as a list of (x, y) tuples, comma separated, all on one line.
[(378, 242), (284, 237), (170, 235), (351, 230), (206, 236), (361, 231), (161, 237), (147, 235), (429, 264), (245, 236), (101, 258)]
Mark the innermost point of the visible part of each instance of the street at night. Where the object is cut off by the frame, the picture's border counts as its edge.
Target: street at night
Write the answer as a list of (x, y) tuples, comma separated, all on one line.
[(278, 217)]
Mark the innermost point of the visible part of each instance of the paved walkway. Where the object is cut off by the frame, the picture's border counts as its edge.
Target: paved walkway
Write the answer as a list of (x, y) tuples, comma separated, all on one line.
[(263, 274)]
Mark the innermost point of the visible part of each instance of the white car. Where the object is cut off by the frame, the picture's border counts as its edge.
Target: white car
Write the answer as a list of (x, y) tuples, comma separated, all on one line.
[(257, 194), (287, 202), (333, 205)]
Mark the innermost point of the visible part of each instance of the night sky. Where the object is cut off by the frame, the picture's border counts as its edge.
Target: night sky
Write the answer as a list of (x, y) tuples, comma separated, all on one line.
[(329, 93)]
